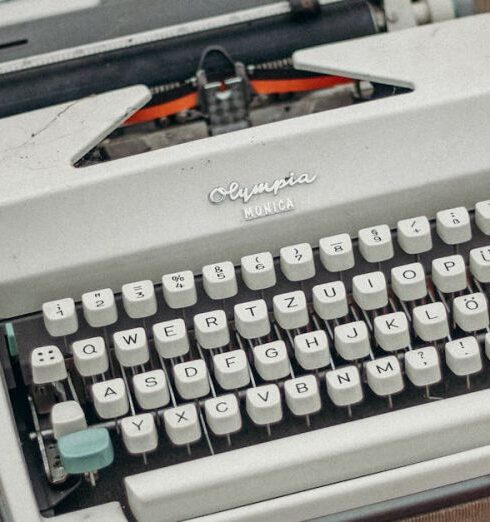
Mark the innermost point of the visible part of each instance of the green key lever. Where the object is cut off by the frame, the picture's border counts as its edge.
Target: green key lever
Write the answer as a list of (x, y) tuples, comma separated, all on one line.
[(86, 451)]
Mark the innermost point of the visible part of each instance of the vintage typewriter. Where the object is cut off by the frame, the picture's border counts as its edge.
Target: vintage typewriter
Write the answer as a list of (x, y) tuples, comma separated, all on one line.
[(244, 265)]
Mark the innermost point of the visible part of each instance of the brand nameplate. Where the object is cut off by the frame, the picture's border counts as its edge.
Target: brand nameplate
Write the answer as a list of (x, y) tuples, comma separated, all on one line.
[(237, 192)]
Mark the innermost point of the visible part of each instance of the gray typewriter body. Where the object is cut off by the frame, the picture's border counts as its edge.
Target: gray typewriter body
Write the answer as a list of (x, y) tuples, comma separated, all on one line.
[(68, 230)]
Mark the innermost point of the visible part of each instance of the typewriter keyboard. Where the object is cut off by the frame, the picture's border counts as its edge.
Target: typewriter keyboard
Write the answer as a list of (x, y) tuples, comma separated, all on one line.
[(149, 376)]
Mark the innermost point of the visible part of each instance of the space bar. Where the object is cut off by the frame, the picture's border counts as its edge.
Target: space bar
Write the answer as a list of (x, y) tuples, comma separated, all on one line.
[(312, 459)]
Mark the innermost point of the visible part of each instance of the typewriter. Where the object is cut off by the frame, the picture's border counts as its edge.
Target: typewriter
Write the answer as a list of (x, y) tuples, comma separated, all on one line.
[(245, 259)]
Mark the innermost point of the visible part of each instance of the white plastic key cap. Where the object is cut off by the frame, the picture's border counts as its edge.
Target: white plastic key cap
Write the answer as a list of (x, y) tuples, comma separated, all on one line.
[(179, 289), (391, 331), (414, 235), (191, 379), (330, 300), (408, 282), (384, 376), (139, 433), (471, 312), (67, 417), (263, 404), (258, 271), (375, 243), (480, 264), (463, 356), (336, 253), (182, 424), (311, 350), (223, 414), (219, 280), (211, 329), (352, 340), (139, 299), (99, 307), (131, 347), (171, 339), (252, 319), (303, 395), (110, 398), (449, 273), (47, 365), (231, 369), (344, 386), (423, 366), (60, 317), (271, 360), (297, 263), (90, 356), (290, 310), (453, 225), (430, 321), (369, 290), (151, 389), (482, 216)]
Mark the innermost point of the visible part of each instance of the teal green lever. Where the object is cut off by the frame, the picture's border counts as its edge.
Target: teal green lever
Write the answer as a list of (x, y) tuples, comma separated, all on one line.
[(86, 451)]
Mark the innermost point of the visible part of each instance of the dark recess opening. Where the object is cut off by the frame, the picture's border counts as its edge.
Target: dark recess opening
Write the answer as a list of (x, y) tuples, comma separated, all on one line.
[(13, 43)]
